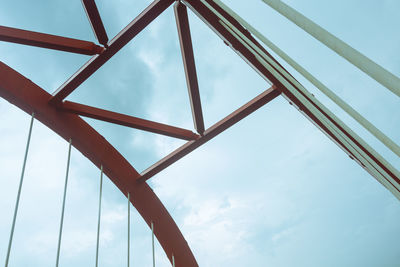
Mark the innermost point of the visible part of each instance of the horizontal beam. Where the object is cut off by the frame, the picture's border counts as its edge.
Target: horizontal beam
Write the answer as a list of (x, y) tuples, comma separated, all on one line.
[(182, 23), (95, 21), (129, 121), (116, 44), (49, 41), (211, 132)]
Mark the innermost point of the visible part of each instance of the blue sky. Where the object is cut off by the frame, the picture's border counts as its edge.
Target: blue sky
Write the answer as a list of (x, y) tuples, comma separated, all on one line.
[(271, 191)]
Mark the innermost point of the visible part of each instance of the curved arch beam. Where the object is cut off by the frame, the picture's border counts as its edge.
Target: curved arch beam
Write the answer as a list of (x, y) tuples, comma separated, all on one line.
[(29, 97)]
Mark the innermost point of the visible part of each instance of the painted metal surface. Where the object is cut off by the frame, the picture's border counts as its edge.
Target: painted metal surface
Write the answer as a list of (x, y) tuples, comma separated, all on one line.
[(185, 40), (129, 121), (49, 41), (29, 97)]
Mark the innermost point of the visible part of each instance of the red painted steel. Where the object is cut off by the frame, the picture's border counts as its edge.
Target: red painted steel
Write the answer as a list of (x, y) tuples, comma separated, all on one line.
[(129, 121), (211, 132), (95, 21), (185, 40), (29, 97), (49, 41), (116, 44), (63, 118)]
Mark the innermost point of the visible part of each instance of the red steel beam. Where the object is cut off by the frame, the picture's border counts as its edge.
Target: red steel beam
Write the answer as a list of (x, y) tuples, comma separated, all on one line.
[(211, 132), (182, 23), (95, 21), (49, 41), (118, 42), (129, 121)]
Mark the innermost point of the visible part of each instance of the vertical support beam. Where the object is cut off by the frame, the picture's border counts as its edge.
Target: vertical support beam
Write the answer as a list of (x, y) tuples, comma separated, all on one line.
[(129, 223), (99, 216), (19, 190), (185, 40), (375, 71), (95, 21), (63, 204)]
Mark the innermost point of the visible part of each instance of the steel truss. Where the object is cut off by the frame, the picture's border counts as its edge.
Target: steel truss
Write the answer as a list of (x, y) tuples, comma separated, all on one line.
[(63, 117)]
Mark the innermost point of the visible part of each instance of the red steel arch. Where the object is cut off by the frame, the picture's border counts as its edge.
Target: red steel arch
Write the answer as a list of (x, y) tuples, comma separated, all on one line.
[(29, 97)]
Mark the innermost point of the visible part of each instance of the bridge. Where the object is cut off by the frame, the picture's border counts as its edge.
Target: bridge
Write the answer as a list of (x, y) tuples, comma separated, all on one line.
[(67, 118)]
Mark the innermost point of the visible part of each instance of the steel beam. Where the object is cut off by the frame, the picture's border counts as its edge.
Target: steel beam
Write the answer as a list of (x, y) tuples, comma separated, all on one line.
[(49, 41), (182, 23), (95, 21), (210, 133), (116, 44), (129, 121)]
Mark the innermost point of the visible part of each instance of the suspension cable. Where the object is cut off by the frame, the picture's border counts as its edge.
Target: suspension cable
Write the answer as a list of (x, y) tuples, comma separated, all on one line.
[(152, 243), (129, 223), (98, 219), (63, 204), (372, 69), (19, 189)]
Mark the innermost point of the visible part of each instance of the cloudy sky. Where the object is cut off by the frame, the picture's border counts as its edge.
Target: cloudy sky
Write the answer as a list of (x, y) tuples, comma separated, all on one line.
[(270, 191)]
